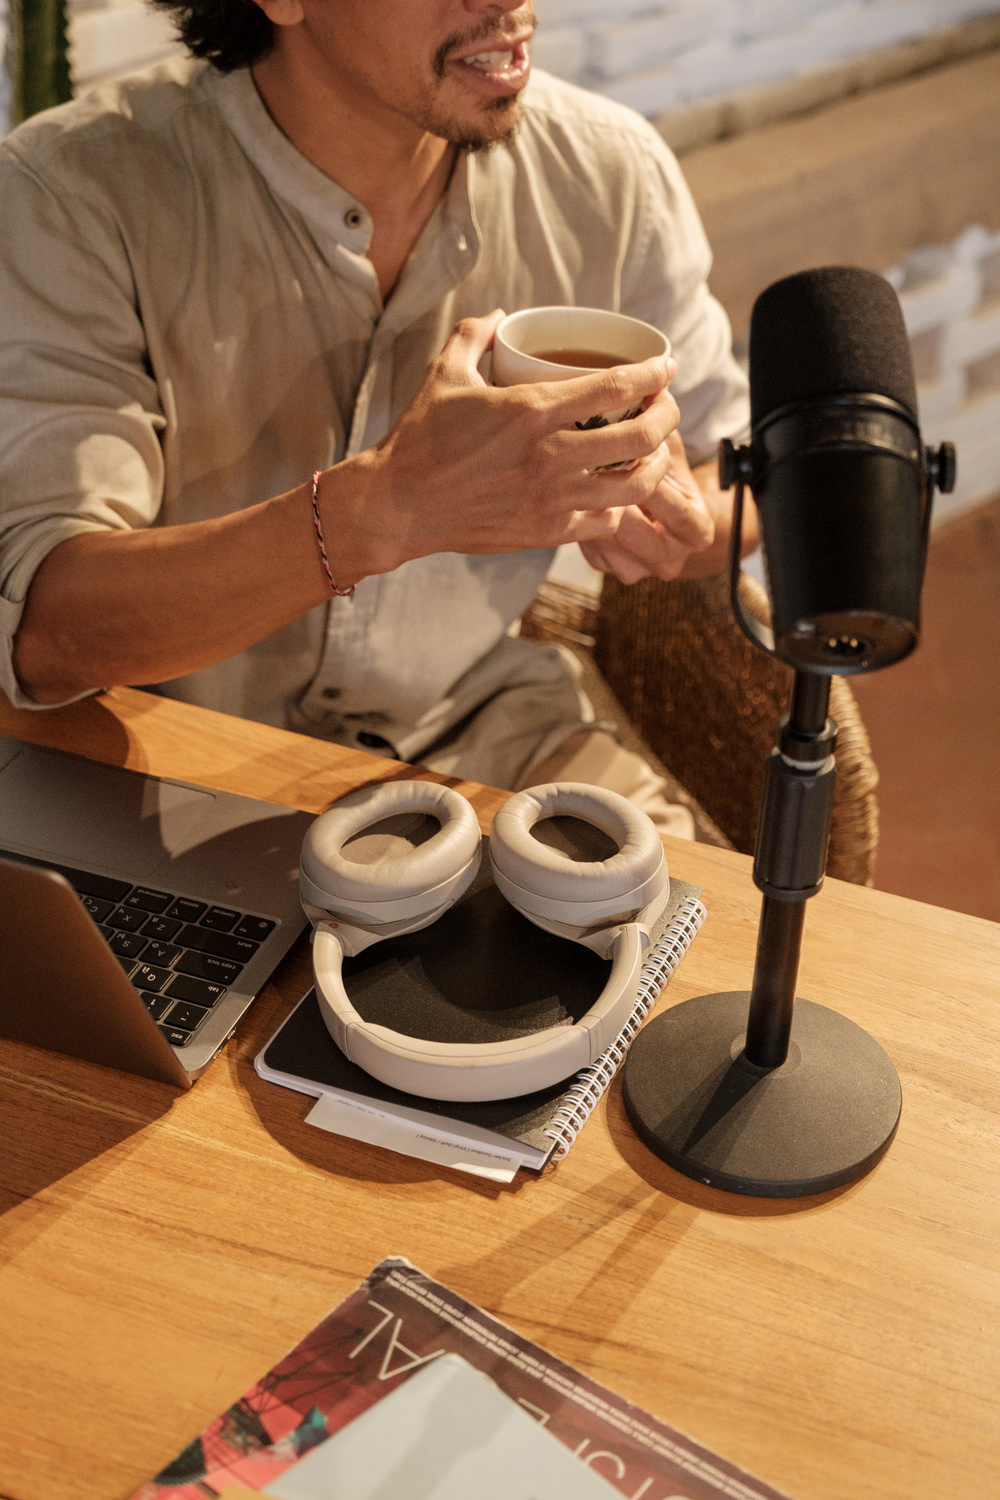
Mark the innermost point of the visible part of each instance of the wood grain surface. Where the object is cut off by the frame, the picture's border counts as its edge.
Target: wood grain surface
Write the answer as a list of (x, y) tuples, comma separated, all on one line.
[(158, 1253)]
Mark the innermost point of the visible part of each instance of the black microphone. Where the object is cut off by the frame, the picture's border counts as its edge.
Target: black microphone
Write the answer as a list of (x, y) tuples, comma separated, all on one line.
[(843, 484), (842, 480)]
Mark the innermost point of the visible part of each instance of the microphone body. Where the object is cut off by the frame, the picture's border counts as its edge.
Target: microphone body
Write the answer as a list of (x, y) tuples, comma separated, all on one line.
[(843, 500), (841, 479)]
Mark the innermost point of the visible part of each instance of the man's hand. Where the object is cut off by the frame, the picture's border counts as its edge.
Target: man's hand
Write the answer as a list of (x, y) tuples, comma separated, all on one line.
[(467, 468), (474, 468), (682, 531)]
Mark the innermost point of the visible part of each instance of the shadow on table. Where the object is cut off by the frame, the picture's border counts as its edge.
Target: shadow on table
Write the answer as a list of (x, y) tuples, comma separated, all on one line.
[(91, 727), (685, 1190), (68, 1123), (282, 1112)]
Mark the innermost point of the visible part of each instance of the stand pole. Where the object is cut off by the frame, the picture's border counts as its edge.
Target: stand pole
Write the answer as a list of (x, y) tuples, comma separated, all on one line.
[(753, 1093), (772, 999), (779, 940)]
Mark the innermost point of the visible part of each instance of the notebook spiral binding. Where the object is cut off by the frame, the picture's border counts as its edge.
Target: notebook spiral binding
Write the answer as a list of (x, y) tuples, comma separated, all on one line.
[(571, 1116)]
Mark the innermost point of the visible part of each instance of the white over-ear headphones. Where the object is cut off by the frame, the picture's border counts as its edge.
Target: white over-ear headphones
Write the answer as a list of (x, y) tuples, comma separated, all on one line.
[(362, 883)]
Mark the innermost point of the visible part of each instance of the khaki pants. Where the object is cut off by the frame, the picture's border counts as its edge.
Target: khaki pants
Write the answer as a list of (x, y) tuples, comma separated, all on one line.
[(594, 757)]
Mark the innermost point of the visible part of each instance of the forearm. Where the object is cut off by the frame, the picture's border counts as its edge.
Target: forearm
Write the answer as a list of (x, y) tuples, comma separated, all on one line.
[(146, 606), (720, 505), (467, 468)]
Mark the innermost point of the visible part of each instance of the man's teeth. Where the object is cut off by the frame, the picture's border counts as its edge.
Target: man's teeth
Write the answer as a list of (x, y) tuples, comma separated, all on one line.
[(491, 62)]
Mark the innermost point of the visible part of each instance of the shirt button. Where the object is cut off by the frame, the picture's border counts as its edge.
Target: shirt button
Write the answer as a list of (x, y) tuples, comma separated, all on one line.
[(354, 218), (331, 693)]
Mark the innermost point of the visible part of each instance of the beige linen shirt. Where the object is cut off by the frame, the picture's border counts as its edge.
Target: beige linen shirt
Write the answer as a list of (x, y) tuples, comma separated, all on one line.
[(189, 324)]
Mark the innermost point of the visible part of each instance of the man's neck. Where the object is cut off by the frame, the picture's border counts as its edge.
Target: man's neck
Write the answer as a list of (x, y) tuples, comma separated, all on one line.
[(398, 171)]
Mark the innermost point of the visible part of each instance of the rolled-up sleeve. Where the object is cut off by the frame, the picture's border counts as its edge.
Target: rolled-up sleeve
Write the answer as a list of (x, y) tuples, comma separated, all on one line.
[(80, 413)]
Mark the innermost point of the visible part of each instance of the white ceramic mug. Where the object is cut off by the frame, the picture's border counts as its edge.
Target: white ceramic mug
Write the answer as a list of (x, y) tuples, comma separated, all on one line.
[(523, 335)]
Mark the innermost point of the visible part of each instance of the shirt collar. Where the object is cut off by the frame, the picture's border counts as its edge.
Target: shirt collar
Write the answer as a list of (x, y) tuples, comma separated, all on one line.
[(329, 211)]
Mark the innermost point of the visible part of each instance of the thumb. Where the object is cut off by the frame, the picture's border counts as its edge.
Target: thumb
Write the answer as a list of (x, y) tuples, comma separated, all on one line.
[(469, 341)]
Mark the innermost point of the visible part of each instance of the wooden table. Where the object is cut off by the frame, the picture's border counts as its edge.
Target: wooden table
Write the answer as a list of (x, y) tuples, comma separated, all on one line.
[(160, 1253)]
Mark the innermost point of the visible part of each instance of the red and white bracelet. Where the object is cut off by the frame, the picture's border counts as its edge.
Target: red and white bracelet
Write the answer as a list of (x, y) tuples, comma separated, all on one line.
[(341, 593)]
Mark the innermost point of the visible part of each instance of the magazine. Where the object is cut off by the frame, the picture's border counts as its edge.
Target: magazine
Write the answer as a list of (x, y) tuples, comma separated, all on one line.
[(396, 1323), (446, 1433)]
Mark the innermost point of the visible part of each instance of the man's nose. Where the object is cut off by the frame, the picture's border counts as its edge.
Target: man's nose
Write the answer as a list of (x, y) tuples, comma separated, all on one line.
[(501, 7)]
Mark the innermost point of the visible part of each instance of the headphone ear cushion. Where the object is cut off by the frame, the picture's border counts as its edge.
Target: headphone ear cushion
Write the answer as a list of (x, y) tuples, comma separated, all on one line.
[(539, 878), (383, 873)]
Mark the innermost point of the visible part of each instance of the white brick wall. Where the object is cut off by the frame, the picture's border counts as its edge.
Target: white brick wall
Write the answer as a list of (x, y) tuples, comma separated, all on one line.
[(110, 37), (656, 57), (951, 302)]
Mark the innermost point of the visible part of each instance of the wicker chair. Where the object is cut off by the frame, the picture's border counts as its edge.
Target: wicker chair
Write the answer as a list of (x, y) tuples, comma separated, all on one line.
[(669, 664)]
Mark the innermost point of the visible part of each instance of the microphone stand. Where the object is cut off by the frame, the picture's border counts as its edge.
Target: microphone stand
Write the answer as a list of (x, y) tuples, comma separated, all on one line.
[(760, 1093)]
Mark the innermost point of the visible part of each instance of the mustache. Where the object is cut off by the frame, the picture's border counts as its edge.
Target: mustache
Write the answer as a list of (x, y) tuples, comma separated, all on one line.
[(495, 32)]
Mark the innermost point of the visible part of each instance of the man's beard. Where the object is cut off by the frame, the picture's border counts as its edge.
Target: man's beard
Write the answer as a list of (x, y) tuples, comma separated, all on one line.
[(461, 133), (471, 141)]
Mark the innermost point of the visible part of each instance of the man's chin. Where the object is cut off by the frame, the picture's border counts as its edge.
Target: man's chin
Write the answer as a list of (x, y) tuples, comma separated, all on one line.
[(492, 124)]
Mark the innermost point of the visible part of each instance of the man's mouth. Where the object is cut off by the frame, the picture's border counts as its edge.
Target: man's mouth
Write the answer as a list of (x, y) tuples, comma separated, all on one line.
[(496, 64), (497, 70), (490, 62)]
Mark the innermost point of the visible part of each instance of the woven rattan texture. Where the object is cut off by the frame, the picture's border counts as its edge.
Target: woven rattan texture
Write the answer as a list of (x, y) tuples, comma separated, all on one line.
[(708, 703)]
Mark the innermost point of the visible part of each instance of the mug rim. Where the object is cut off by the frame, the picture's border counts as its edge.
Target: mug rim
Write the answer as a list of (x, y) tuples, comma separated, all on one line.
[(601, 313)]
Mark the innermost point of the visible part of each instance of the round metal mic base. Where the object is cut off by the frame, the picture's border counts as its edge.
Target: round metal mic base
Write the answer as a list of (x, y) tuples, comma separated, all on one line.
[(824, 1118)]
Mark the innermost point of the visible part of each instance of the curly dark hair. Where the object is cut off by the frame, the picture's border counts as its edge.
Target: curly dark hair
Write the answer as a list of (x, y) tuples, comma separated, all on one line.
[(230, 33)]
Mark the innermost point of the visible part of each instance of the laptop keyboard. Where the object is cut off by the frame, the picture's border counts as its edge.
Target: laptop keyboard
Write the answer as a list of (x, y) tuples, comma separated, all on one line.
[(182, 955)]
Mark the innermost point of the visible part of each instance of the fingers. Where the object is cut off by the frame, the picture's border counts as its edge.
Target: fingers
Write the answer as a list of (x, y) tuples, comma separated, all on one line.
[(637, 550), (682, 512), (467, 344), (610, 557), (587, 396), (624, 442), (621, 488)]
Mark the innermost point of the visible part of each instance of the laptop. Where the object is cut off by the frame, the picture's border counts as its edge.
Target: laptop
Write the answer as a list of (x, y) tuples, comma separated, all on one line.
[(139, 916)]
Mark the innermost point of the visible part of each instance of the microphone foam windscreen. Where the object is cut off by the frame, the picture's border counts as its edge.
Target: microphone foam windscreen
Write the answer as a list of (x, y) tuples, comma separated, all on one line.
[(836, 330)]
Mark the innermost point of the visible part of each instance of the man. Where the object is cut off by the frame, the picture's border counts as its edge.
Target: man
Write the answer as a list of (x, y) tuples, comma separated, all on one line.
[(218, 279)]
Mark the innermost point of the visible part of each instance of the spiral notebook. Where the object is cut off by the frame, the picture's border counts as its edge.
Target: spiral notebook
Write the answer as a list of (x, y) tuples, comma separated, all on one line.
[(490, 1139)]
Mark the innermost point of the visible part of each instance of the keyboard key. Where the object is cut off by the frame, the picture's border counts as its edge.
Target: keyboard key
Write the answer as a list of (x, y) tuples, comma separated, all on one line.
[(149, 977), (175, 1037), (188, 911), (222, 944), (155, 1004), (219, 918), (207, 966), (148, 900), (185, 987), (257, 928), (186, 1016), (98, 909), (128, 964), (128, 919), (163, 928), (126, 944), (161, 953)]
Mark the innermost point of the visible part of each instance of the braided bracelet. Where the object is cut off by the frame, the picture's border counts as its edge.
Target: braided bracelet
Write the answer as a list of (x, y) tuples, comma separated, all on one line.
[(341, 593)]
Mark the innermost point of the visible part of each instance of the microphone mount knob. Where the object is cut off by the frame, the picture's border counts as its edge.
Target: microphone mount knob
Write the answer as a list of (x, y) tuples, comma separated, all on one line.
[(734, 464), (942, 467)]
